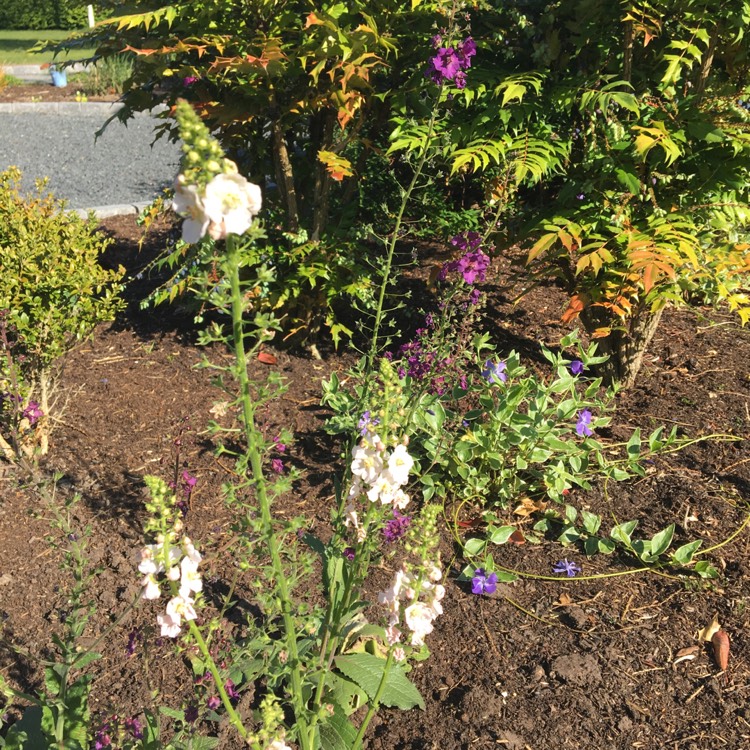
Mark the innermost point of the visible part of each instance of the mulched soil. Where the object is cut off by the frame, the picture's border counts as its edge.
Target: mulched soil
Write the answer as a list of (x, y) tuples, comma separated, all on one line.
[(46, 92), (542, 665)]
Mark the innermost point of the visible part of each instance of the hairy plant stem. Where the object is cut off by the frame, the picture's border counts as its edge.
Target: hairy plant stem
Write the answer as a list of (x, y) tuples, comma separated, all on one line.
[(254, 444), (213, 669)]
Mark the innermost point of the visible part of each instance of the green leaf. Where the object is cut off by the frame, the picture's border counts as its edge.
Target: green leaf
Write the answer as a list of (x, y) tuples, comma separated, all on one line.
[(591, 522), (367, 671), (684, 555), (337, 733), (634, 444), (705, 570), (474, 546), (501, 534), (660, 542), (622, 532), (629, 181)]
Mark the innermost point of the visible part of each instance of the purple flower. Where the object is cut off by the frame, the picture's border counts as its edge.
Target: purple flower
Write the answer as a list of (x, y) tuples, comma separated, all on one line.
[(133, 637), (277, 465), (213, 702), (366, 422), (188, 483), (581, 196), (482, 583), (134, 726), (190, 80), (577, 367), (33, 413), (450, 64), (231, 690), (396, 527), (494, 372), (349, 554), (582, 426), (191, 713), (567, 567)]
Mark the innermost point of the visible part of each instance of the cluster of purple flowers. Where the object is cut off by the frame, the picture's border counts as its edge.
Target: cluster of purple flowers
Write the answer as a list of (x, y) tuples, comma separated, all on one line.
[(396, 527), (112, 726), (420, 362), (472, 265), (451, 63)]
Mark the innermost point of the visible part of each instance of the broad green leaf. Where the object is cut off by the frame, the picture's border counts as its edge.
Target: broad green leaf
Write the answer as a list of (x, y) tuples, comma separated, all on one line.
[(367, 671), (474, 546), (622, 532), (684, 555), (705, 570), (337, 732), (591, 522), (501, 534), (660, 542)]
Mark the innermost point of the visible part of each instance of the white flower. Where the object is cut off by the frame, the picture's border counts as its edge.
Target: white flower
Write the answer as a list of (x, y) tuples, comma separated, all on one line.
[(188, 204), (150, 588), (170, 627), (219, 409), (173, 574), (180, 607), (151, 558), (399, 654), (190, 579), (382, 488), (190, 550), (400, 499), (350, 516), (230, 203), (367, 463), (419, 619), (400, 464), (392, 634), (278, 745), (146, 562)]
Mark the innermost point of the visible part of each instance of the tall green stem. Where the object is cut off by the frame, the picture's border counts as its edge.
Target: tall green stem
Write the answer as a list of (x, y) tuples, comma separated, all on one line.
[(374, 703), (254, 449), (391, 247)]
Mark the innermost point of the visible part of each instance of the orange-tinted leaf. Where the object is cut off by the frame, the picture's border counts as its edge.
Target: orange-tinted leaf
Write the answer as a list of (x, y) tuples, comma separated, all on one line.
[(575, 306), (266, 358)]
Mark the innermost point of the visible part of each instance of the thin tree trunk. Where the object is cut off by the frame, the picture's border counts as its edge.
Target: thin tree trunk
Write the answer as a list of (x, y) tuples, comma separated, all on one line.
[(706, 63), (285, 177), (627, 65), (322, 180), (625, 348)]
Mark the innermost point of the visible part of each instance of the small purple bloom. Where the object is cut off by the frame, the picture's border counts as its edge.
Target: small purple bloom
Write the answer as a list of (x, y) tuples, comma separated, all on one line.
[(33, 413), (581, 196), (349, 554), (396, 527), (494, 372), (566, 566), (133, 637), (583, 424), (577, 367), (213, 702), (366, 422), (190, 80), (188, 483), (134, 726), (277, 465), (482, 583), (231, 690), (191, 713)]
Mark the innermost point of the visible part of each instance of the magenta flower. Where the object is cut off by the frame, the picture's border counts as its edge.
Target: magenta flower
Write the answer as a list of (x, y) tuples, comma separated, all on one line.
[(277, 465), (33, 413), (450, 64), (396, 527)]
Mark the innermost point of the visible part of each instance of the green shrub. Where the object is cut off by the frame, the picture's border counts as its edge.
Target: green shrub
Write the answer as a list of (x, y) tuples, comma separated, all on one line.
[(44, 14), (53, 292)]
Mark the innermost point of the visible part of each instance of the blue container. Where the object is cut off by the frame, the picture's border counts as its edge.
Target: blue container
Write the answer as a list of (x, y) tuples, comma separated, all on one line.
[(59, 77)]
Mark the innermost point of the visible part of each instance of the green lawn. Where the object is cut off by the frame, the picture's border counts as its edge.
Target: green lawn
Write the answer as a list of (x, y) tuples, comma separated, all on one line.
[(14, 46)]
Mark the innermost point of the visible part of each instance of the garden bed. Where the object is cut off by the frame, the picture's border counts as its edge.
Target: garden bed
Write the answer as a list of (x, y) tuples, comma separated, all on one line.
[(586, 662)]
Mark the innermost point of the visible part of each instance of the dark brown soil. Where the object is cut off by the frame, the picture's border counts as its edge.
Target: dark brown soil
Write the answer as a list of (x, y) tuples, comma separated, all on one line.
[(543, 665), (46, 92)]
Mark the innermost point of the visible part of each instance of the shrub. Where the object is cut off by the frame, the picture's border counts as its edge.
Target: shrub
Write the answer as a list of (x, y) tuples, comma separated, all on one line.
[(53, 292), (44, 14)]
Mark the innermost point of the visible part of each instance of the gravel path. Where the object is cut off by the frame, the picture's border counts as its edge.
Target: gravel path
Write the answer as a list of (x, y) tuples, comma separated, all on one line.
[(120, 167)]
